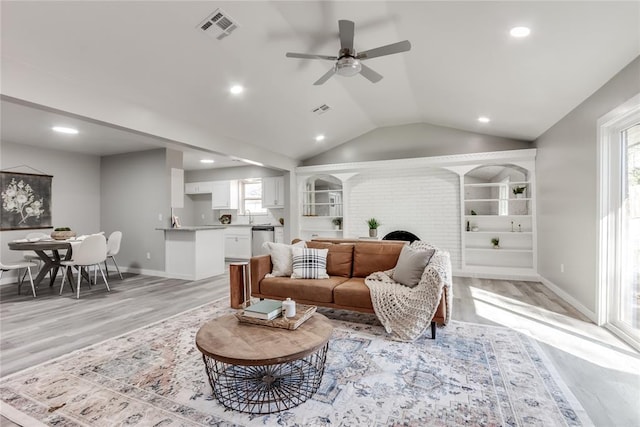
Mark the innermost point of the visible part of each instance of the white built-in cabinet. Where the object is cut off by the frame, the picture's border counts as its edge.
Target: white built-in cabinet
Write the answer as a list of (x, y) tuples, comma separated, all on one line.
[(197, 187), (224, 194), (492, 209), (237, 242), (273, 192), (321, 205)]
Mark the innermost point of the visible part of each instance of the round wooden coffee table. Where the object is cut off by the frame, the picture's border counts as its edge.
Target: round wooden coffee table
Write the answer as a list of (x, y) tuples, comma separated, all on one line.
[(260, 369)]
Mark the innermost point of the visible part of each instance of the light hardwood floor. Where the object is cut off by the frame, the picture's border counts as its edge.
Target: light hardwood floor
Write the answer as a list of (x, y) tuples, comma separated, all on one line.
[(602, 372)]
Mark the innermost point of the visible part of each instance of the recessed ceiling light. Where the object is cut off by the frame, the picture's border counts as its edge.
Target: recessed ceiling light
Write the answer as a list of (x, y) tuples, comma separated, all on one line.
[(483, 119), (207, 161), (319, 138), (520, 32), (236, 89), (63, 129)]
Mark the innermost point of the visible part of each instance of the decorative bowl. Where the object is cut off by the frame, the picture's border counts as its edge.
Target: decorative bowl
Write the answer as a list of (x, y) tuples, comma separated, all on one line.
[(62, 235)]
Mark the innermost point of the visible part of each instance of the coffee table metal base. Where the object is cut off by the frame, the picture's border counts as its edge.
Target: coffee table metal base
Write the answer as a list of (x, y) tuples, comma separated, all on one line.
[(265, 389)]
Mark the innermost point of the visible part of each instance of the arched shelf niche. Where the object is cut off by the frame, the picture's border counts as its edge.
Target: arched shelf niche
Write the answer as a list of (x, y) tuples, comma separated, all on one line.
[(488, 190), (498, 205), (322, 207)]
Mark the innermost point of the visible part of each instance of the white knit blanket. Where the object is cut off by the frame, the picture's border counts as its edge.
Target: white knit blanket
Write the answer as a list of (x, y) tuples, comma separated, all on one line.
[(405, 312)]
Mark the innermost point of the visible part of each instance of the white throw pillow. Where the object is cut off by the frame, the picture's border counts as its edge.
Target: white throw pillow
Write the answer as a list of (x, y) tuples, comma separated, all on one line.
[(309, 263), (281, 257)]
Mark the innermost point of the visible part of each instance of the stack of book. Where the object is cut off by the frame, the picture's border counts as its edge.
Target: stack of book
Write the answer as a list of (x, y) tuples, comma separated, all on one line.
[(267, 309)]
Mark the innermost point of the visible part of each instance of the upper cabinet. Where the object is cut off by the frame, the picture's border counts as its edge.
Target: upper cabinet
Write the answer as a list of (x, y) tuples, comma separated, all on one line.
[(224, 194), (197, 187), (273, 192)]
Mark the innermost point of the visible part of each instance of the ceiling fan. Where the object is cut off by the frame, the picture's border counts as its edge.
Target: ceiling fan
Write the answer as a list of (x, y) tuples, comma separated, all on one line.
[(348, 62)]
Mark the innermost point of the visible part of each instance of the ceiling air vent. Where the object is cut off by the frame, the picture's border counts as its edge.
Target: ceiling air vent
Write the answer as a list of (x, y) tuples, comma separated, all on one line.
[(321, 109), (218, 25)]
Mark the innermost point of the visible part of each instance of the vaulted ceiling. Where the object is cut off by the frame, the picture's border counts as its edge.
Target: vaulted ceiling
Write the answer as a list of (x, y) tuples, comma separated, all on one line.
[(148, 67)]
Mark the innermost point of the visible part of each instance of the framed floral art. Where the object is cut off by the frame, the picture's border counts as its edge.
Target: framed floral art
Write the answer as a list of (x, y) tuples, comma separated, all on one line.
[(26, 201)]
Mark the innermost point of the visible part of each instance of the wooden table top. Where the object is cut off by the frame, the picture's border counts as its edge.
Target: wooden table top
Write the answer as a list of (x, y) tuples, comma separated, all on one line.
[(41, 245), (229, 341)]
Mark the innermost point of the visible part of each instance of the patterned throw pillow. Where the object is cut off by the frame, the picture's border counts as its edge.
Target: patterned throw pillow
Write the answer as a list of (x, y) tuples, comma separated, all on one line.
[(309, 263)]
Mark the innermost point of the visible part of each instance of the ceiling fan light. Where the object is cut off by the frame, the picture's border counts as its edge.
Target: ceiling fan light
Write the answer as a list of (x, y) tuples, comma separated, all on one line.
[(348, 67)]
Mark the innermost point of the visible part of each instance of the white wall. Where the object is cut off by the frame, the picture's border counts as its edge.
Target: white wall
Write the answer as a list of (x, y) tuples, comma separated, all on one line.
[(423, 201), (75, 190), (414, 140), (566, 167), (135, 190)]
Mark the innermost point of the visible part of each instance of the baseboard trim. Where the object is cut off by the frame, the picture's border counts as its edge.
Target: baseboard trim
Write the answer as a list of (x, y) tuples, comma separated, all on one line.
[(497, 276), (144, 271), (570, 300)]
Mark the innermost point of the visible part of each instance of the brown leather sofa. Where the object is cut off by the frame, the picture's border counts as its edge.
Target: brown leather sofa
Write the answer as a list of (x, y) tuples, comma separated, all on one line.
[(347, 266)]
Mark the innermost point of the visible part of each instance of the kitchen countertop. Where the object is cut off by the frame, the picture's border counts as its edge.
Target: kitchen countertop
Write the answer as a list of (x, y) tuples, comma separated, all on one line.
[(250, 225), (193, 228)]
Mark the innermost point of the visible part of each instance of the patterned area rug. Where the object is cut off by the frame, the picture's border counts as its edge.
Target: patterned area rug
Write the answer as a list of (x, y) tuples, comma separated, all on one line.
[(470, 375)]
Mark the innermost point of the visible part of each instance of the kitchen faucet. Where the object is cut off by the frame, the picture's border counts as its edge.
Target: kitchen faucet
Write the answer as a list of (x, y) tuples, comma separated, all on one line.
[(248, 212)]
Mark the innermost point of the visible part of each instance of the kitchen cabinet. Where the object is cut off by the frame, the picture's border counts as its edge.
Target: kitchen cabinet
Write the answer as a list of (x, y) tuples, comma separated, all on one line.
[(224, 194), (197, 187), (194, 253), (273, 192), (237, 243)]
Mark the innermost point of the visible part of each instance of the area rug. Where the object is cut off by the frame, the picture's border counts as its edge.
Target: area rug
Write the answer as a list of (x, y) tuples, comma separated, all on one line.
[(470, 375)]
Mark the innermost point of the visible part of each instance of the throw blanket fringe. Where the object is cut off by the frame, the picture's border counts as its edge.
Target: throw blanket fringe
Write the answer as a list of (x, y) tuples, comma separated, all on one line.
[(405, 312)]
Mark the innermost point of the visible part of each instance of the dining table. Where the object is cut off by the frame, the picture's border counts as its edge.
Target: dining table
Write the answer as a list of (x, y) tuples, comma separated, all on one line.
[(49, 252)]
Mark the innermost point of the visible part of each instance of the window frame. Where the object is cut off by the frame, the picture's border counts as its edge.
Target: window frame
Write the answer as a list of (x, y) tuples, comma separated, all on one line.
[(242, 209)]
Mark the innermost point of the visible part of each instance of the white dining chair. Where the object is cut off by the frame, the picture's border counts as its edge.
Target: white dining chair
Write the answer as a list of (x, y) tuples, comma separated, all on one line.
[(92, 251), (113, 247), (17, 266), (31, 255)]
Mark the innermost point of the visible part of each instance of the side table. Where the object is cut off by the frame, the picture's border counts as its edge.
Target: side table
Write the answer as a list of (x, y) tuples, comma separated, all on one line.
[(259, 369)]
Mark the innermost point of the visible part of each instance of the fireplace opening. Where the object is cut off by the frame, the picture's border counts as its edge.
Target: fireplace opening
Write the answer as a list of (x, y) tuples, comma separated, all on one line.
[(401, 235)]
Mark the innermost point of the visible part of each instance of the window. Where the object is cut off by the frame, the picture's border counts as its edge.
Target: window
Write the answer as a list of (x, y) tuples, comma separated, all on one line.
[(251, 197), (619, 267)]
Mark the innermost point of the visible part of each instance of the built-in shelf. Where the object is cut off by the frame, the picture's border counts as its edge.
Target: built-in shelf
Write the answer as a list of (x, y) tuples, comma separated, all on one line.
[(498, 231), (502, 249), (499, 213)]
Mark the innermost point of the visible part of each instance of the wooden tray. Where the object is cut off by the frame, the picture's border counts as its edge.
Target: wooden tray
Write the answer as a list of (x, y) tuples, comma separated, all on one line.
[(303, 312)]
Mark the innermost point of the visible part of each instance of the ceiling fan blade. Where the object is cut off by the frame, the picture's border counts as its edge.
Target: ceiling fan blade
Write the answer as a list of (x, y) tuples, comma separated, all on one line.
[(369, 74), (389, 49), (309, 56), (346, 29), (326, 76)]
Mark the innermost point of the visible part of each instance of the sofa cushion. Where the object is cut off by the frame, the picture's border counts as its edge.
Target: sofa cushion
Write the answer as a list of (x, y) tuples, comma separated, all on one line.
[(320, 290), (353, 293), (309, 263), (411, 265), (371, 257), (339, 258), (281, 257)]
